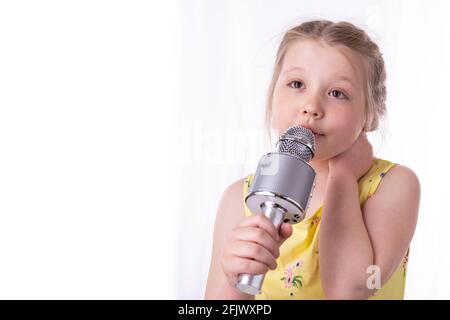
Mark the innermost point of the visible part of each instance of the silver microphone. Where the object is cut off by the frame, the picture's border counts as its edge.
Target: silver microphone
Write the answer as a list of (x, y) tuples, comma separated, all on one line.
[(281, 188)]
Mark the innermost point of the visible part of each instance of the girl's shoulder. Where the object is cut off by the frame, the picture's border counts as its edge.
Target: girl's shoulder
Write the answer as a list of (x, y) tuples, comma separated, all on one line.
[(377, 175), (234, 191), (397, 188), (231, 207), (397, 173), (400, 176)]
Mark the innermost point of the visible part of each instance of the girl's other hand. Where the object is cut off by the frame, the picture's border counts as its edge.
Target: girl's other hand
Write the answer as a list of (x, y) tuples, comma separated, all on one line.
[(356, 160)]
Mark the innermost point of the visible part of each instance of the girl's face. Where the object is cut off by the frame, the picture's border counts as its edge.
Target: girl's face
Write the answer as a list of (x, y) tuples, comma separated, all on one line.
[(321, 88)]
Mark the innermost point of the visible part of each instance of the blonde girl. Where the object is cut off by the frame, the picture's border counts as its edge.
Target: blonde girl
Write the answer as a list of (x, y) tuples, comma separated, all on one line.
[(354, 241)]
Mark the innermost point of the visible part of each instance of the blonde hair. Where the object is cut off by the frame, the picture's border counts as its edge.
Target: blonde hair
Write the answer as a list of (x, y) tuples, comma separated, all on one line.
[(352, 37)]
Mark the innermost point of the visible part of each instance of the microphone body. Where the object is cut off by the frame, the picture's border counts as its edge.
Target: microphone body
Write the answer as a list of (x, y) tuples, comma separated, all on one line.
[(282, 193)]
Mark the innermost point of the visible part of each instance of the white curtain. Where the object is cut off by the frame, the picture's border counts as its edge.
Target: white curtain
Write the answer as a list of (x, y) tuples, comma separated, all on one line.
[(226, 57), (85, 91)]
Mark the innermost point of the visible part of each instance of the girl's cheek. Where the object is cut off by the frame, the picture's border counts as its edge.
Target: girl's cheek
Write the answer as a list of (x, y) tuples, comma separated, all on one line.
[(275, 121), (343, 129), (280, 118)]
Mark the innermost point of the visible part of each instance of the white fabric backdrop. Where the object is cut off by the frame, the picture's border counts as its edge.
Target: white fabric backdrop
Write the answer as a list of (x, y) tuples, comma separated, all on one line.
[(225, 61), (84, 96)]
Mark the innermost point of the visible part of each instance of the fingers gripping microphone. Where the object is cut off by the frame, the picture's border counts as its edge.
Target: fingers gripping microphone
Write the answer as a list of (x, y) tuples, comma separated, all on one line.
[(281, 188)]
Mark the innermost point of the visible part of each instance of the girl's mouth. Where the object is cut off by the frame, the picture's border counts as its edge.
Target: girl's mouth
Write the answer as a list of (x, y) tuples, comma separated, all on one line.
[(317, 135)]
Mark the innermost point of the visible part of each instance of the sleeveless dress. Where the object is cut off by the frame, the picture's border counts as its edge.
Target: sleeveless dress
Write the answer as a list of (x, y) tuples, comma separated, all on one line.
[(297, 275)]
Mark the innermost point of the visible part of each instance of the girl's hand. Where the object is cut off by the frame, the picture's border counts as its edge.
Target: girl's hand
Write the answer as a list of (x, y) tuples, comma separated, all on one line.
[(252, 247), (354, 161)]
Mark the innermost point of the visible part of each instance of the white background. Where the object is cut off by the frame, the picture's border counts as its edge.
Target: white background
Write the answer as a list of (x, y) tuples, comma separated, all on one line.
[(122, 122), (85, 91)]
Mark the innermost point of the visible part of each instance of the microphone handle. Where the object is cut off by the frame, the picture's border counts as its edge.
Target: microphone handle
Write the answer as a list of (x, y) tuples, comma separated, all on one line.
[(252, 283)]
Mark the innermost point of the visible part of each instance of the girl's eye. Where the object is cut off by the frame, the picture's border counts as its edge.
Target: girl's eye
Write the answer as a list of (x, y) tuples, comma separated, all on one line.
[(334, 93), (296, 84), (338, 94)]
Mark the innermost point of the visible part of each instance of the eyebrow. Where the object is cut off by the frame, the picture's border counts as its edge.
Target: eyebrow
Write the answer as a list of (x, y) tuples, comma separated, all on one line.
[(341, 77), (293, 69)]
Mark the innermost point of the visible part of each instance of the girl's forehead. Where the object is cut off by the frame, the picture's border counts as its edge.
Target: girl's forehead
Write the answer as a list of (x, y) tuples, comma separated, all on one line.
[(313, 55)]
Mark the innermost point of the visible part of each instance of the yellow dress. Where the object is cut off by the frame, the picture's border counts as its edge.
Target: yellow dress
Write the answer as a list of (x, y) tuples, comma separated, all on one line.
[(297, 275)]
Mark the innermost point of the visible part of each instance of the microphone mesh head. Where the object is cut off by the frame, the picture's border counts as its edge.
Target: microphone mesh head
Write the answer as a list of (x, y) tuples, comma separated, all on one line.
[(299, 142)]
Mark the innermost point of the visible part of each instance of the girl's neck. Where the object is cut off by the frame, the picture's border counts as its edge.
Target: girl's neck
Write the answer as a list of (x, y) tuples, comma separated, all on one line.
[(320, 166)]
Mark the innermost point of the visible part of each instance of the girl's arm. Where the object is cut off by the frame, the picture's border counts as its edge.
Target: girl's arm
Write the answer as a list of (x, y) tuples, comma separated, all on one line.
[(352, 239), (229, 215)]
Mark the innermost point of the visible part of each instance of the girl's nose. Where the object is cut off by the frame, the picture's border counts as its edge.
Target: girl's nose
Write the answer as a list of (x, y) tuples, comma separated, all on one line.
[(311, 111)]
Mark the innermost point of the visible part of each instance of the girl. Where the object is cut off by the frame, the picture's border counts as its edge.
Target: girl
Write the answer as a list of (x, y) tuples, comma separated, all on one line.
[(353, 244)]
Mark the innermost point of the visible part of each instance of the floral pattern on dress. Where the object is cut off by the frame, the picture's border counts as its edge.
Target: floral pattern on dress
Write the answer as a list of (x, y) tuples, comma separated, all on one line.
[(247, 181), (290, 278), (314, 221)]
